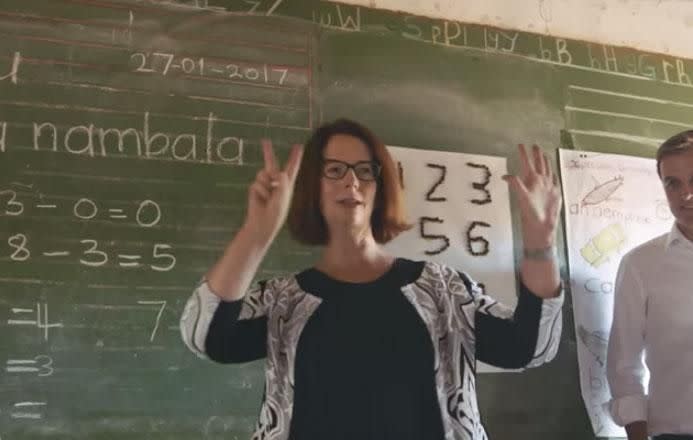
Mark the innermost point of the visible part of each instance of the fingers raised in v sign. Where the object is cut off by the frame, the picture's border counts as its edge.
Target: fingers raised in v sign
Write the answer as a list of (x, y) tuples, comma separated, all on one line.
[(294, 162), (272, 168), (268, 155)]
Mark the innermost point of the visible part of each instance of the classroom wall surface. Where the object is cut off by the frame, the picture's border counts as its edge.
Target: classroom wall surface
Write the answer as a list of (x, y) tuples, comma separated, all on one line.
[(129, 132)]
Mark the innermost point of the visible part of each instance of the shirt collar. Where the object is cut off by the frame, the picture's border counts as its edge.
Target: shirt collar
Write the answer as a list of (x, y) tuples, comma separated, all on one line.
[(676, 237)]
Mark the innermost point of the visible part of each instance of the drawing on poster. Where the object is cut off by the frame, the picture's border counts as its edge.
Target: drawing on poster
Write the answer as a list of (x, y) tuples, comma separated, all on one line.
[(603, 192), (596, 342), (605, 244)]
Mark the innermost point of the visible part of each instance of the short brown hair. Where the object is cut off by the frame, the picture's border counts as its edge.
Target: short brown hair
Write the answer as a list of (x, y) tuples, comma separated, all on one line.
[(306, 222), (676, 144)]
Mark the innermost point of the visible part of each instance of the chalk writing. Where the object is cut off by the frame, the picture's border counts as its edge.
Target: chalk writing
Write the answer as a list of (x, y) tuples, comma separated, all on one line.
[(165, 63)]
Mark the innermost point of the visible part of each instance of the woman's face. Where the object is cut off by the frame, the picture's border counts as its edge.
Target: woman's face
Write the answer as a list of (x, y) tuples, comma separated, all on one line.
[(347, 200)]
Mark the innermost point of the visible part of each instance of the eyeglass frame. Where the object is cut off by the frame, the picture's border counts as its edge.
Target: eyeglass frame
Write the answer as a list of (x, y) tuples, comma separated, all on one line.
[(374, 164)]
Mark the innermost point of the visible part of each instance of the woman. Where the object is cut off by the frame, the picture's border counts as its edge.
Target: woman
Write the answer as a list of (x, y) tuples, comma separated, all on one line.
[(364, 345)]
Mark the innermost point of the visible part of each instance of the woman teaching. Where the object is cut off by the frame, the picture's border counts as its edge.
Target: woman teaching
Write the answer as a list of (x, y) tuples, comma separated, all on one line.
[(365, 345)]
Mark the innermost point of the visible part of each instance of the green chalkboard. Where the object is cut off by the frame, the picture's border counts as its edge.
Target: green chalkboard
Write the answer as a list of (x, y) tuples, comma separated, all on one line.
[(129, 131), (446, 85), (455, 86)]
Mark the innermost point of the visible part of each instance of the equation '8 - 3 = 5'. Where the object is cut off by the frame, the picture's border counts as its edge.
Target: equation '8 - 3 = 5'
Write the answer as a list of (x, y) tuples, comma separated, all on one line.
[(91, 253)]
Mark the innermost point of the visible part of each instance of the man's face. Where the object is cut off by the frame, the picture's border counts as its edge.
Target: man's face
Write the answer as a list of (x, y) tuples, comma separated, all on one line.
[(677, 177)]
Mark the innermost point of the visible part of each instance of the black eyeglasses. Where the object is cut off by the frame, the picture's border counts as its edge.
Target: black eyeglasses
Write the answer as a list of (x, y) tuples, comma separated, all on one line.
[(364, 170)]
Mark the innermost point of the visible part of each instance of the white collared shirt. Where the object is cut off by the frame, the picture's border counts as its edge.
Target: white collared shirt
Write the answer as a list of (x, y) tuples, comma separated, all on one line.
[(653, 330)]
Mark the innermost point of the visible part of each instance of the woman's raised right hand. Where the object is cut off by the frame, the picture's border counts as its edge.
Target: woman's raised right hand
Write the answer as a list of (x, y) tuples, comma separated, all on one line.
[(269, 196)]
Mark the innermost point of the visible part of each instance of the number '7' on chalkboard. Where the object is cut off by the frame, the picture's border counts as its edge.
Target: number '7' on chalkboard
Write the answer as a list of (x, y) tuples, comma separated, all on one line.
[(158, 315)]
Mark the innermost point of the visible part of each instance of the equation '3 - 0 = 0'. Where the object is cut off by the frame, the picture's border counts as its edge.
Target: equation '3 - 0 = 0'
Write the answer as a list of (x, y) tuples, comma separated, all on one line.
[(147, 215)]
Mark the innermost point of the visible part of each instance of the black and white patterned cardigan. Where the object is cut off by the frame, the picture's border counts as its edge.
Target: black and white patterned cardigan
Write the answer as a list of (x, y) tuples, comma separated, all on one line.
[(448, 301)]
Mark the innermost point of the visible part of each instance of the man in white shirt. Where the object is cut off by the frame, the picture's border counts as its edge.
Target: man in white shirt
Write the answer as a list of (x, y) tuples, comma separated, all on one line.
[(653, 315)]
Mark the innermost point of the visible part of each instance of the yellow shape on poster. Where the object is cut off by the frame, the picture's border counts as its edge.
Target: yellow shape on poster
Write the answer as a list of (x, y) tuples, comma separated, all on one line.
[(603, 245)]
